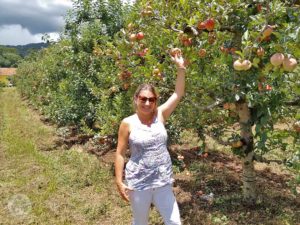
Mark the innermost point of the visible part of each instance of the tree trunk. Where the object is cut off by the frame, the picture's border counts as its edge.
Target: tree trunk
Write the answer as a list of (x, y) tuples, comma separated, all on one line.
[(248, 176)]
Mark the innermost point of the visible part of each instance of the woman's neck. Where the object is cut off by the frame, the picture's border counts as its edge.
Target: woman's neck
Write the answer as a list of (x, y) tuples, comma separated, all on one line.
[(146, 118)]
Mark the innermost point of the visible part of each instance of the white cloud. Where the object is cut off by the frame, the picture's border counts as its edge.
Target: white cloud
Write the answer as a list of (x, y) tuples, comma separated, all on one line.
[(67, 3), (16, 35), (23, 22)]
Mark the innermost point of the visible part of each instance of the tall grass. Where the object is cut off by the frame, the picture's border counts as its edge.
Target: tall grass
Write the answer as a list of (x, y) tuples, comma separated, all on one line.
[(62, 186)]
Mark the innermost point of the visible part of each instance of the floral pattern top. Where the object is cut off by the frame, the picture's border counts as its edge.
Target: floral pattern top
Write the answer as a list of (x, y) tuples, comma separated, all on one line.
[(150, 163)]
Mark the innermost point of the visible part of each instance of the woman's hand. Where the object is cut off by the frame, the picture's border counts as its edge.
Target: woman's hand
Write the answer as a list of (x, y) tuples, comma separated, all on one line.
[(176, 56), (124, 191)]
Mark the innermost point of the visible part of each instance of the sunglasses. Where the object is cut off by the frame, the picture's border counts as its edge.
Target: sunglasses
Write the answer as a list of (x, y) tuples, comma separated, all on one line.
[(145, 99)]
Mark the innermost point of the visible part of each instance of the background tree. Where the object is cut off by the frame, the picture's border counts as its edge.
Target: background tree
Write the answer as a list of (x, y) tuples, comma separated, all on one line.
[(71, 77), (9, 57)]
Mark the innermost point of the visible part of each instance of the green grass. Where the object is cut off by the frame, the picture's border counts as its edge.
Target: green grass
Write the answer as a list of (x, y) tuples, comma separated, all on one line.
[(63, 186), (3, 79)]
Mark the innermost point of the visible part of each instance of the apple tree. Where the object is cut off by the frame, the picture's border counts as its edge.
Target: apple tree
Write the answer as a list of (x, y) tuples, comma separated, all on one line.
[(242, 67)]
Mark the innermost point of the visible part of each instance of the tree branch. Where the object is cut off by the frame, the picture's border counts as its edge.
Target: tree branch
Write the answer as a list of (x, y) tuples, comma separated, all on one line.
[(176, 30), (228, 28), (259, 158), (294, 102)]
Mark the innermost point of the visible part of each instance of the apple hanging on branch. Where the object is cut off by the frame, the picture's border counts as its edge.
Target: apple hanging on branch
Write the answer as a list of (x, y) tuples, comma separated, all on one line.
[(157, 73), (132, 37), (268, 30), (277, 59), (202, 53), (208, 24), (289, 64), (147, 11), (140, 36), (240, 64)]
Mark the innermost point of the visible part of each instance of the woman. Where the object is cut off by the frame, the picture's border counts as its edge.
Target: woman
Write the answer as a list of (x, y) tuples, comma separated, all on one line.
[(148, 173)]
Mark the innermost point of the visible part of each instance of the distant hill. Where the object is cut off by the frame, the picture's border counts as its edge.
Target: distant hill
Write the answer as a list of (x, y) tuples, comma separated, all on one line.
[(23, 50)]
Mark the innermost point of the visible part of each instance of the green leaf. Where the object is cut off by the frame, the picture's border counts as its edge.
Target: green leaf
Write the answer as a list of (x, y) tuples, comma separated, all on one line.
[(246, 36), (255, 62), (297, 90), (182, 2), (240, 54)]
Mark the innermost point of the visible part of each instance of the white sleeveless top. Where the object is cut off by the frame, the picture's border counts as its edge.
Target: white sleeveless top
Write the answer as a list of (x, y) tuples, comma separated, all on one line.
[(150, 163)]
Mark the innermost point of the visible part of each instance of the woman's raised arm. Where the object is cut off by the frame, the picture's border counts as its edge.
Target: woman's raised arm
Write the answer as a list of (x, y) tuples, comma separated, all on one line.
[(166, 109)]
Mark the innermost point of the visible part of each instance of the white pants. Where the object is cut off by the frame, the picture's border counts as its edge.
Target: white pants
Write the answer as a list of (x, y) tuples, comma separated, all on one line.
[(163, 199)]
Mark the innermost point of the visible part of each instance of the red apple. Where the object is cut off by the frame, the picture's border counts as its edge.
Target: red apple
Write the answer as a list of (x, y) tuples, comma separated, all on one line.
[(188, 42), (268, 87), (201, 25), (210, 24), (140, 35)]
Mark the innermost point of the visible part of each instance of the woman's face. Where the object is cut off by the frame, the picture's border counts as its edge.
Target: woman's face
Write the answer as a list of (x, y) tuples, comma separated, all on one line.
[(145, 101)]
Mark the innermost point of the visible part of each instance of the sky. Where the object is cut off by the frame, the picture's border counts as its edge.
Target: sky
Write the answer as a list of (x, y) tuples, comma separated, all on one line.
[(26, 21)]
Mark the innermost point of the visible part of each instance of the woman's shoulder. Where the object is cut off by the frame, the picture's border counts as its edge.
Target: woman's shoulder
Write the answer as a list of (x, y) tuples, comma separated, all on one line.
[(129, 119), (129, 122)]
